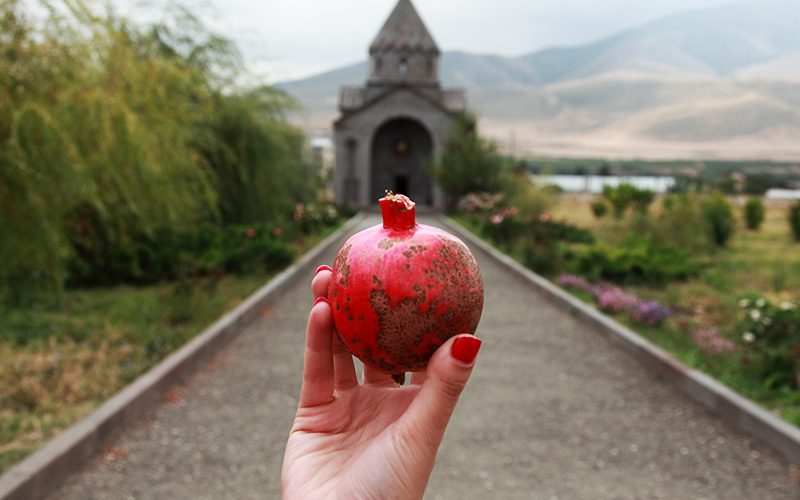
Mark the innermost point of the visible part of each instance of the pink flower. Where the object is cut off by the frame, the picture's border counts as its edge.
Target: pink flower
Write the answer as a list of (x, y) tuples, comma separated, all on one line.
[(496, 219), (712, 342), (277, 232), (251, 232)]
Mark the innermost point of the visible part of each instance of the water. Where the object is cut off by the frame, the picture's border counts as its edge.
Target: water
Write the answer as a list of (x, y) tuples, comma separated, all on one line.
[(595, 183)]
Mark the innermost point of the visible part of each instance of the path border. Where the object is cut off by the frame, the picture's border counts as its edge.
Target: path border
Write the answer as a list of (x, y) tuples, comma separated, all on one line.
[(723, 401), (46, 468)]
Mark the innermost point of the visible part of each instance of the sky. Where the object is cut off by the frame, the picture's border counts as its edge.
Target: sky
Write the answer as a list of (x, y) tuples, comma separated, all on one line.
[(291, 39)]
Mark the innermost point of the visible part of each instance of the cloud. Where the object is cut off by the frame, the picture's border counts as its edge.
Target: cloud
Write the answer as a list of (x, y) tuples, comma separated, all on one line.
[(291, 39)]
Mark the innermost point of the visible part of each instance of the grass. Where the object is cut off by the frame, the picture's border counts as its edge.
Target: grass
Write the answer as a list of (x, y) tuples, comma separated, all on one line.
[(766, 262), (61, 362)]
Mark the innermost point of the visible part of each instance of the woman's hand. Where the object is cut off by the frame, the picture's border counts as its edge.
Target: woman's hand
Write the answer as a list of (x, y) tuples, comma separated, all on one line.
[(372, 439)]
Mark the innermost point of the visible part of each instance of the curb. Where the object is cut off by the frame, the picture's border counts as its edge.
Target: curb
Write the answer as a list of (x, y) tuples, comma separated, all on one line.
[(46, 468), (724, 402)]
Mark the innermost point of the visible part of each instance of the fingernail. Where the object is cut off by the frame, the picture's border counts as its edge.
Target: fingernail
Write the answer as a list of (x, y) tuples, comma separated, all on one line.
[(321, 299), (466, 348), (322, 268)]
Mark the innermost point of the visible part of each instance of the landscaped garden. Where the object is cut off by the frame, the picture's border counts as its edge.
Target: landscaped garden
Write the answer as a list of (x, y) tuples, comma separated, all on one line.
[(715, 280)]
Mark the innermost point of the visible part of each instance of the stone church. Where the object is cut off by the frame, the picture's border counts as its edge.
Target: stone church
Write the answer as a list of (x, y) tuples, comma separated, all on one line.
[(390, 128)]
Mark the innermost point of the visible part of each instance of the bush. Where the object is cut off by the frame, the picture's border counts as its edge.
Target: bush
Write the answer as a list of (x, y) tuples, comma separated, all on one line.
[(637, 260), (599, 208), (625, 195), (169, 254), (681, 224), (546, 260), (719, 219), (771, 337), (754, 213), (794, 220)]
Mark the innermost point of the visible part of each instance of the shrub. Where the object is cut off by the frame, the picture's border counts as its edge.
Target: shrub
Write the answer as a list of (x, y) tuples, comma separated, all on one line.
[(546, 260), (719, 219), (794, 220), (771, 338), (680, 224), (625, 195), (599, 208), (637, 260), (754, 213)]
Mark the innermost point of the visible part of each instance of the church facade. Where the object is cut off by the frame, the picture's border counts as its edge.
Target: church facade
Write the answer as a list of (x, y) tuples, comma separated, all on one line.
[(391, 128)]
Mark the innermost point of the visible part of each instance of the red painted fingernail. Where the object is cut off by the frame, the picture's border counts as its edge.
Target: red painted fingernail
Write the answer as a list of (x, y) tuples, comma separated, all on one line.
[(322, 268), (466, 348), (320, 299)]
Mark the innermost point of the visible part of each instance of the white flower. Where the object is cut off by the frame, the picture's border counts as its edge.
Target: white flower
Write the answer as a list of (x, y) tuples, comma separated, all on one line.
[(760, 303), (787, 306), (755, 315), (748, 338), (744, 303)]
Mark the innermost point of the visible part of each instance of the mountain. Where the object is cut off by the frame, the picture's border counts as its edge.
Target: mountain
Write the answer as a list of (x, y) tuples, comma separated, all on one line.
[(709, 76)]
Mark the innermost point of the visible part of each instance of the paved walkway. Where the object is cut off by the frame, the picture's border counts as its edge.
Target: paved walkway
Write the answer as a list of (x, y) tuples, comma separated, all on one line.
[(552, 411)]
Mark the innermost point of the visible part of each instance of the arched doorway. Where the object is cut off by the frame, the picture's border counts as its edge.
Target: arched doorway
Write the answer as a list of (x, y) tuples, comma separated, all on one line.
[(400, 151)]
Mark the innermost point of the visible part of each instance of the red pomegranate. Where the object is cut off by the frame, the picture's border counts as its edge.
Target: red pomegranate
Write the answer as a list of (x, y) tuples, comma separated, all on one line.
[(401, 289)]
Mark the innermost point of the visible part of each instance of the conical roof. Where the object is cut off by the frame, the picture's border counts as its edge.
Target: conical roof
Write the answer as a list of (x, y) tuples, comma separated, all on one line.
[(404, 30)]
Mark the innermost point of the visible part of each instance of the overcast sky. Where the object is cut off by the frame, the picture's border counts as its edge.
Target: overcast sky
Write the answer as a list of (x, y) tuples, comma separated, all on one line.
[(289, 39)]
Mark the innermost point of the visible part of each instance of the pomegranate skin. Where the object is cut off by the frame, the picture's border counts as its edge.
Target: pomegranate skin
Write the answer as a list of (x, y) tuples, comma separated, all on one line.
[(399, 290)]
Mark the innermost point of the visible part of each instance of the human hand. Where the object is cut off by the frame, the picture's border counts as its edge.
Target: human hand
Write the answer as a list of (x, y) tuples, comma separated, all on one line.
[(373, 439)]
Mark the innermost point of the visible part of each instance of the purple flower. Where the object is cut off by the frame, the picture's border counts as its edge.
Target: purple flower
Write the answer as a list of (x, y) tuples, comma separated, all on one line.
[(575, 281), (649, 312)]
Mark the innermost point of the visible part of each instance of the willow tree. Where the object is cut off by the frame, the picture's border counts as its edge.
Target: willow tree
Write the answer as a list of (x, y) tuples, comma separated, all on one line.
[(104, 128)]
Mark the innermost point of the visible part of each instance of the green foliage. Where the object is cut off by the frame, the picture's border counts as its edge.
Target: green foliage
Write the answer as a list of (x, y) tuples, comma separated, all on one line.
[(599, 208), (754, 213), (637, 260), (794, 220), (166, 254), (680, 224), (770, 336), (719, 219), (625, 195), (756, 184), (469, 163), (118, 132)]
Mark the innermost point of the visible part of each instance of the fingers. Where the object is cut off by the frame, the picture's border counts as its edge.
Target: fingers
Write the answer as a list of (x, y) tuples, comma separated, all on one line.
[(321, 282), (418, 378), (318, 380), (343, 368), (447, 374)]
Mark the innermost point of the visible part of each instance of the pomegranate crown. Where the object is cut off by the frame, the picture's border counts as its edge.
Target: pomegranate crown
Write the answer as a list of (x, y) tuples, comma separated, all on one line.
[(398, 211)]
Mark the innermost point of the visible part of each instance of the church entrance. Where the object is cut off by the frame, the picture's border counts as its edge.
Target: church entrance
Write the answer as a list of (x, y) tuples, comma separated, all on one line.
[(400, 152)]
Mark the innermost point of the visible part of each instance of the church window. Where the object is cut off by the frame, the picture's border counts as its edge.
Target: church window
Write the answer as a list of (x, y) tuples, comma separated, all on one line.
[(403, 66)]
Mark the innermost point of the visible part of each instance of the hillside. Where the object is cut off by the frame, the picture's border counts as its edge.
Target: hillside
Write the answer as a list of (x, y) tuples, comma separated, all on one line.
[(704, 79)]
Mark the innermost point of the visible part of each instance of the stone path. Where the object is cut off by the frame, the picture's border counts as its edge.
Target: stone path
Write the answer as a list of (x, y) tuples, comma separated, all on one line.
[(552, 411)]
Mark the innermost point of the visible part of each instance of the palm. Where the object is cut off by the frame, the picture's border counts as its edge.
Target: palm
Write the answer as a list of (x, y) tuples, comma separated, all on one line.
[(372, 439), (341, 443)]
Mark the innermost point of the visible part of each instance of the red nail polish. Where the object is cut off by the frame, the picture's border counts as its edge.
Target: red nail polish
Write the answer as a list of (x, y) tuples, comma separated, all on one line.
[(322, 268), (466, 348), (321, 299)]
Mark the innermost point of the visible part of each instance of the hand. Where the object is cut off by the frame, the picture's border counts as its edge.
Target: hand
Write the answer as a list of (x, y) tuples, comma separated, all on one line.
[(373, 439)]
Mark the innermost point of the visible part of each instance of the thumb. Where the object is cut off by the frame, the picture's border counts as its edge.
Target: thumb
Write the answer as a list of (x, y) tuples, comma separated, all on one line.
[(447, 374)]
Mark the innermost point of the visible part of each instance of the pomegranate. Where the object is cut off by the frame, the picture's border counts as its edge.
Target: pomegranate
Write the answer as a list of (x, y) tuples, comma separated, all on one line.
[(399, 290)]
